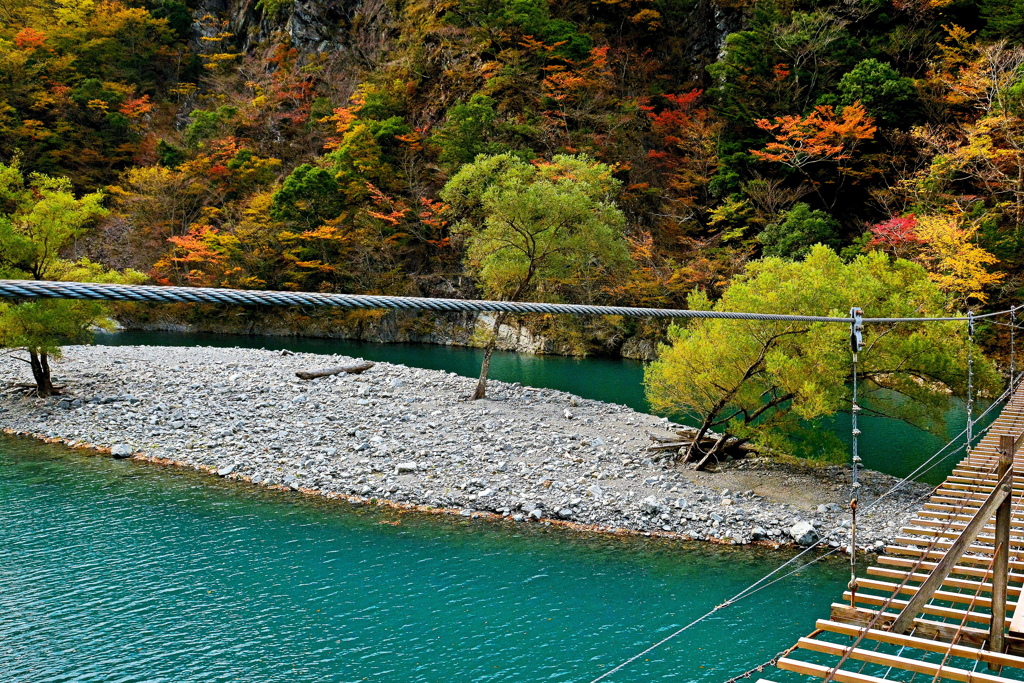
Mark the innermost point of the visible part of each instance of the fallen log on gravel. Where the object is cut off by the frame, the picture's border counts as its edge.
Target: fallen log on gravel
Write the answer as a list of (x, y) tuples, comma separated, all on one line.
[(354, 369)]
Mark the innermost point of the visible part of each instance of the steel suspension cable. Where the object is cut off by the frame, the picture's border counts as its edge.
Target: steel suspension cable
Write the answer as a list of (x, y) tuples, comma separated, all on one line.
[(46, 289), (1013, 329), (970, 380)]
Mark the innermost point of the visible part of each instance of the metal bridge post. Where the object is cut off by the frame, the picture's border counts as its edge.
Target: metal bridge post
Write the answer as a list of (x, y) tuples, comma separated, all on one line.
[(1001, 559)]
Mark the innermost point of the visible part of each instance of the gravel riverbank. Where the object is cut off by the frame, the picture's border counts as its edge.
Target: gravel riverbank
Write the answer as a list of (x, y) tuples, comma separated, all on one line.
[(410, 436)]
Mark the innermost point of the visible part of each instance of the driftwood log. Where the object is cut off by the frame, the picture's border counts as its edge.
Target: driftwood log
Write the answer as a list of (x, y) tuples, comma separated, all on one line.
[(685, 437), (353, 369)]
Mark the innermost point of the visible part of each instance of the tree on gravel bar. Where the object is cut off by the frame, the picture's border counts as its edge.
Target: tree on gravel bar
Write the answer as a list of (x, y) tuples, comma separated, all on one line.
[(40, 217), (548, 231), (767, 381)]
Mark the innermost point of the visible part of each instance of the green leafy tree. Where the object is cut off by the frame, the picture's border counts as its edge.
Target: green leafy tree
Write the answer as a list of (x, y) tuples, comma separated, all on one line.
[(1005, 20), (800, 228), (465, 131), (549, 231), (887, 96), (308, 197), (763, 380), (39, 218)]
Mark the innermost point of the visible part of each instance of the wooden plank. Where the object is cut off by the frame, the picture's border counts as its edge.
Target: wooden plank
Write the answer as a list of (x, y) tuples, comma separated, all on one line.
[(938, 553), (934, 610), (928, 533), (808, 669), (905, 663), (890, 588), (926, 644), (964, 570), (984, 586), (862, 616)]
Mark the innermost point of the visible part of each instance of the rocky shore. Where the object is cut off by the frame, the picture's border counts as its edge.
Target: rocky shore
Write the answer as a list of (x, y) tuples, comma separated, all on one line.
[(410, 437)]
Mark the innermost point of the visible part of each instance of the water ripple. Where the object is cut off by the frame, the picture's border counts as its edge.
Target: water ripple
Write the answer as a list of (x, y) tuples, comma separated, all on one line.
[(120, 572)]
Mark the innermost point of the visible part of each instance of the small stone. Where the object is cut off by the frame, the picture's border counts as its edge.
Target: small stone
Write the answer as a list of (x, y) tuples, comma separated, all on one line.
[(652, 506), (567, 414), (406, 467), (727, 501), (226, 470), (565, 513), (804, 533), (536, 513), (121, 451), (758, 534)]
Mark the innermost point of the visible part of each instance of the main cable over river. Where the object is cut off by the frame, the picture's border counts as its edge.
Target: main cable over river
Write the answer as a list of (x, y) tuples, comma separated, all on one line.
[(45, 289)]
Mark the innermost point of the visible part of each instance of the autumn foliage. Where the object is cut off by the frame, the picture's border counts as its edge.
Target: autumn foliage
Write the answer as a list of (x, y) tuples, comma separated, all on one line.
[(287, 160)]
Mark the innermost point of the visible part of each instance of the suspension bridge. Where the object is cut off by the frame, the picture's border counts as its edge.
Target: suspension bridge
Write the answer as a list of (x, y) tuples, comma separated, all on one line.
[(940, 602)]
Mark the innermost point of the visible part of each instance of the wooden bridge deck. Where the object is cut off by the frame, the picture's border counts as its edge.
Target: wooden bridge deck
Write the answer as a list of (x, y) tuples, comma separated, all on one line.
[(948, 637)]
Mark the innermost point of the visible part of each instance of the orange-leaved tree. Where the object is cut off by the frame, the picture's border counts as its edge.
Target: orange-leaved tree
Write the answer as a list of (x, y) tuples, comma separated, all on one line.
[(824, 139)]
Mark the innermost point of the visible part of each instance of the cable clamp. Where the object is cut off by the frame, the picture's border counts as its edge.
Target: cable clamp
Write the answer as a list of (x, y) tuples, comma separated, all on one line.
[(857, 459), (856, 484), (856, 432), (855, 408), (856, 330)]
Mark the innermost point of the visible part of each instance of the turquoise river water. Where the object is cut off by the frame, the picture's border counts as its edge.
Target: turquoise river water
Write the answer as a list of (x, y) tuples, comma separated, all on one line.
[(123, 572), (128, 572), (886, 445)]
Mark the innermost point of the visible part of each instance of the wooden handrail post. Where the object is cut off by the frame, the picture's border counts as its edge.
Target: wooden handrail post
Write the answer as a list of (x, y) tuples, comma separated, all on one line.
[(905, 620), (1001, 558)]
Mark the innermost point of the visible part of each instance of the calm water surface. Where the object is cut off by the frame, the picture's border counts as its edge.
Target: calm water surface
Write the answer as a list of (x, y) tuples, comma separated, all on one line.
[(886, 445), (120, 571)]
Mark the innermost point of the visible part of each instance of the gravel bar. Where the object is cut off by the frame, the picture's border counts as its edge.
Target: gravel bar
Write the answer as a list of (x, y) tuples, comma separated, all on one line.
[(411, 438)]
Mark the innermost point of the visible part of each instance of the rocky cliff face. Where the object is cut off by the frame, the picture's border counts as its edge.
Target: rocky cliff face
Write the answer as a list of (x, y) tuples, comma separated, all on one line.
[(455, 329), (358, 29), (362, 30)]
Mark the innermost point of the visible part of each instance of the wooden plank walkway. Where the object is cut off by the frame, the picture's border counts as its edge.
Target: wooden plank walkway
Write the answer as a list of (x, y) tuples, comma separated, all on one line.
[(948, 636)]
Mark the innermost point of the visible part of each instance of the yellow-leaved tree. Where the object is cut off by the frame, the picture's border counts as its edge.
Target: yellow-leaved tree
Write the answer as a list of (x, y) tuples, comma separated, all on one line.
[(953, 260)]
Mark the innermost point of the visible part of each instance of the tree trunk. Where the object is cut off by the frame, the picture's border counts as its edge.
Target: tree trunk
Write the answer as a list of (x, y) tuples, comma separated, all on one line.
[(41, 372), (354, 369), (715, 451), (485, 367)]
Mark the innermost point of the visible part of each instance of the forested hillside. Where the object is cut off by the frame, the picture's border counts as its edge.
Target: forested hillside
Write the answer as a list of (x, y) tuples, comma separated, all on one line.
[(379, 146)]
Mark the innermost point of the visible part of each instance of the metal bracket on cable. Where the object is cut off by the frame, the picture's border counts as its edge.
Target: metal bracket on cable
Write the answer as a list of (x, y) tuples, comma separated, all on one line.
[(856, 344)]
